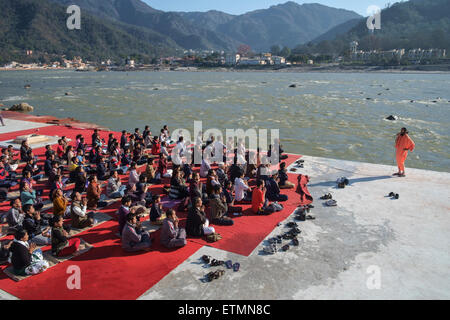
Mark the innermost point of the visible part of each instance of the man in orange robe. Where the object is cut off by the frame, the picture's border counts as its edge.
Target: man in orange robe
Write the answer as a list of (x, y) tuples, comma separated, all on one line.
[(403, 144)]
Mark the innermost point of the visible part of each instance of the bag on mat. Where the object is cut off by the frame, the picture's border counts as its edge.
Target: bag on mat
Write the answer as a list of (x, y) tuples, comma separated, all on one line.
[(213, 237)]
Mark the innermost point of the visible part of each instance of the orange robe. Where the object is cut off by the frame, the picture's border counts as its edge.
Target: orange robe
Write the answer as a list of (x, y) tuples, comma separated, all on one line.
[(403, 144)]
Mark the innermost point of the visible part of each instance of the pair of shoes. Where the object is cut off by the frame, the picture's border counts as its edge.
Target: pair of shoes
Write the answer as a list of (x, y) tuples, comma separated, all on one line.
[(394, 195), (216, 263), (331, 203), (206, 259), (292, 224)]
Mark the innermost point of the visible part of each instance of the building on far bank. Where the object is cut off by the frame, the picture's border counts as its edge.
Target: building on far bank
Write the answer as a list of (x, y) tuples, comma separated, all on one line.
[(232, 59)]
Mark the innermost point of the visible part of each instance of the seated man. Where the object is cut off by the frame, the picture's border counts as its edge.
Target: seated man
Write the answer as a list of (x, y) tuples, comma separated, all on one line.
[(15, 215), (62, 246), (25, 258), (259, 201), (219, 208), (101, 169), (242, 190), (171, 235), (36, 227), (133, 237), (115, 189), (273, 191), (197, 225), (80, 218), (123, 212)]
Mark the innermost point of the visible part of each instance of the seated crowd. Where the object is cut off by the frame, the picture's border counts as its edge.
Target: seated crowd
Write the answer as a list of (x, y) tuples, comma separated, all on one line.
[(97, 167)]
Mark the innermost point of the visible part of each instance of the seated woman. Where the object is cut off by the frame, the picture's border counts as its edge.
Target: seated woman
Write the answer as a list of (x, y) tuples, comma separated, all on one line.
[(93, 193), (284, 183), (133, 177), (150, 172), (219, 208), (133, 237), (273, 191), (115, 189), (80, 180), (25, 258), (156, 212), (162, 171), (78, 212), (197, 225), (62, 246), (60, 204), (28, 196), (171, 235), (156, 147), (211, 181)]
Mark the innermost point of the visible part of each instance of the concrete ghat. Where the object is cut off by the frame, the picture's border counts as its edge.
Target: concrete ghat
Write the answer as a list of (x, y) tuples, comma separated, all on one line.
[(12, 125), (407, 239)]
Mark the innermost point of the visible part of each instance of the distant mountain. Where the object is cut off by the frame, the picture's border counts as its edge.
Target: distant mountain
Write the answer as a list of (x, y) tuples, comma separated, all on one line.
[(413, 24), (170, 24), (285, 24), (41, 26)]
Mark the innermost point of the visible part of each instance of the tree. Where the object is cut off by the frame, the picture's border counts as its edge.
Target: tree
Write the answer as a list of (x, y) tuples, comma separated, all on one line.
[(275, 50), (244, 50), (285, 52)]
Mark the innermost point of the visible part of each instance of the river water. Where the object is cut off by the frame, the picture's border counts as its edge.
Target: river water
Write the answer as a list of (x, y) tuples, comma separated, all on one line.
[(335, 115)]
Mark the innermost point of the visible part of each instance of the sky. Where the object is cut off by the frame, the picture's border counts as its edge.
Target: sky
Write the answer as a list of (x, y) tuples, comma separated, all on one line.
[(242, 6)]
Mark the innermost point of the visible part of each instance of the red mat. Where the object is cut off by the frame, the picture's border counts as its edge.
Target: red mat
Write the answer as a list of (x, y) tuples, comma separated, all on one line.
[(249, 230)]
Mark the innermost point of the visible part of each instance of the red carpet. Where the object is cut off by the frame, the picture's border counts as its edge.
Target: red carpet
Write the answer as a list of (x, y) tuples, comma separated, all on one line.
[(249, 230), (107, 272)]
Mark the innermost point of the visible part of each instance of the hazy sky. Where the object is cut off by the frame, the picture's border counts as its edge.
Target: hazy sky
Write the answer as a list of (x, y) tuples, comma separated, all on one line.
[(242, 6)]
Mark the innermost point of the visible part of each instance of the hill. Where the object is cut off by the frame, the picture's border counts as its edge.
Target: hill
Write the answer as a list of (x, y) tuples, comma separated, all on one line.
[(41, 26)]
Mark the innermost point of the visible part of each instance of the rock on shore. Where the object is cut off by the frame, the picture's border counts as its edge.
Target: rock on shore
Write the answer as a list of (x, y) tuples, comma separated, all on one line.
[(22, 107)]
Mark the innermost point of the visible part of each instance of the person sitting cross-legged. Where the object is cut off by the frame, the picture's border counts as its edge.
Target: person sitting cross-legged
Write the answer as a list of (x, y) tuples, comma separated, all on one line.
[(134, 238), (80, 218), (62, 246), (26, 259), (219, 208), (197, 225), (171, 235)]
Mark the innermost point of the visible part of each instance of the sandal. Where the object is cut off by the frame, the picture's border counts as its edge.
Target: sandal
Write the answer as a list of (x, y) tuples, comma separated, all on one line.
[(292, 224), (285, 247), (216, 263), (295, 242), (294, 170), (210, 276), (236, 267), (326, 197), (391, 194), (296, 231), (206, 259), (310, 218), (229, 264), (396, 196)]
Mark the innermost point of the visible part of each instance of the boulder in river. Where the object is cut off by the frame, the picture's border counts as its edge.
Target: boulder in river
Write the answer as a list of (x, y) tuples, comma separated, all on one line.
[(22, 107), (392, 118), (293, 86), (27, 86), (68, 94)]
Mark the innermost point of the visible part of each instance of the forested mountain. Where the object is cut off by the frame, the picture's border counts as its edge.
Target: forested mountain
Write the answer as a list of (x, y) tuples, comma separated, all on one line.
[(41, 26), (414, 24)]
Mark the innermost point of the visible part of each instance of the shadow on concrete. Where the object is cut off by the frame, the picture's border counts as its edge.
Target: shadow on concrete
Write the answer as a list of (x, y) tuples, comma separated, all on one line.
[(352, 181)]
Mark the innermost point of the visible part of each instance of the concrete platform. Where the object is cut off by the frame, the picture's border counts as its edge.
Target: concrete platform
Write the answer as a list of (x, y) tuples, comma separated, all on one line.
[(368, 247), (12, 125)]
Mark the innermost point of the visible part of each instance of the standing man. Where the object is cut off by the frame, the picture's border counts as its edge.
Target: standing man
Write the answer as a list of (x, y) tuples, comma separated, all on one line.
[(403, 144)]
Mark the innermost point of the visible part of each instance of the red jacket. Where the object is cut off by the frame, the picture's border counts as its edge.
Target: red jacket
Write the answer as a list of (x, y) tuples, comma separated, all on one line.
[(258, 197)]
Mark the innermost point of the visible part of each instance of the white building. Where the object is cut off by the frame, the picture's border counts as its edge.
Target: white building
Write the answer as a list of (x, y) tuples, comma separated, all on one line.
[(232, 59), (278, 60)]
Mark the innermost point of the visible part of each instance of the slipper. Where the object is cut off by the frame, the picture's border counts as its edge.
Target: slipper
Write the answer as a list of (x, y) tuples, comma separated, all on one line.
[(295, 242), (310, 206), (217, 274), (300, 161), (294, 170), (396, 174), (210, 276), (326, 197), (391, 194), (331, 203), (396, 196), (268, 250), (229, 264), (272, 240), (310, 218), (292, 224), (206, 259), (402, 175), (236, 267), (285, 247), (216, 263)]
